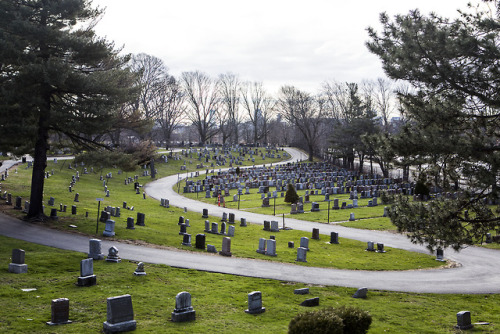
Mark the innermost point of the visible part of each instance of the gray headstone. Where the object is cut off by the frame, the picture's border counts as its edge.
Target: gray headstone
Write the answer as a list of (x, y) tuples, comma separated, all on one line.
[(304, 242), (226, 247), (139, 271), (271, 247), (86, 267), (360, 293), (109, 230), (255, 303), (303, 291), (211, 249), (95, 249), (113, 255), (183, 309), (301, 254)]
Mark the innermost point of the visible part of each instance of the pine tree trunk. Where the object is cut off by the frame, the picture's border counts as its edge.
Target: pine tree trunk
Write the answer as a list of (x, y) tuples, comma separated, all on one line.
[(38, 175)]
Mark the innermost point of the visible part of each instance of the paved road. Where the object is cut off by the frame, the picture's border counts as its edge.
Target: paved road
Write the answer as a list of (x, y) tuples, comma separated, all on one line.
[(479, 270)]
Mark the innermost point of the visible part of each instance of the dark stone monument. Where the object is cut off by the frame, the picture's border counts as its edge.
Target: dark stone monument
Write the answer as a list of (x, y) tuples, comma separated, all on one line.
[(200, 241), (120, 315), (60, 312), (311, 302)]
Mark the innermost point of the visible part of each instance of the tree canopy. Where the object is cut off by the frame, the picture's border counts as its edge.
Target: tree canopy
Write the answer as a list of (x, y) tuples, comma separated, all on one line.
[(56, 76), (452, 116)]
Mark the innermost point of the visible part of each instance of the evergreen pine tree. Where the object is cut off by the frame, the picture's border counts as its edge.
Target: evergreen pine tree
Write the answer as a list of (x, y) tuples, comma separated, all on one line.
[(291, 195), (57, 77)]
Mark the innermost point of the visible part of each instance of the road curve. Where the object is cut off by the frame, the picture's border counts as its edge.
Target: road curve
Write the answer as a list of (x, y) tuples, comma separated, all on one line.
[(479, 270)]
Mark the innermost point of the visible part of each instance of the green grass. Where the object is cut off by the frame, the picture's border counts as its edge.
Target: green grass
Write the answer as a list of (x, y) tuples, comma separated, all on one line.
[(219, 300), (162, 229)]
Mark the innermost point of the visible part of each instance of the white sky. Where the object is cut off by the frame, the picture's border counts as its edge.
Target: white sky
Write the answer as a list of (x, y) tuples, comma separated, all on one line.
[(278, 42)]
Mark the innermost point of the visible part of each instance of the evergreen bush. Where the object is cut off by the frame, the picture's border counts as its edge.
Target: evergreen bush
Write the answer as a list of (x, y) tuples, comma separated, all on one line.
[(291, 194)]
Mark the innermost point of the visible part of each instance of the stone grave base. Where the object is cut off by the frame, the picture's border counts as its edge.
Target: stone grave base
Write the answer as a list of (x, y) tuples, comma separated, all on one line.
[(256, 311), (184, 316), (18, 268), (124, 326), (87, 280), (50, 323), (225, 253)]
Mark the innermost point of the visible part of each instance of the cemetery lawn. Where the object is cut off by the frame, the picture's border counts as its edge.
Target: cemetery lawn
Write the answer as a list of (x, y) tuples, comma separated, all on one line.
[(219, 300), (162, 223)]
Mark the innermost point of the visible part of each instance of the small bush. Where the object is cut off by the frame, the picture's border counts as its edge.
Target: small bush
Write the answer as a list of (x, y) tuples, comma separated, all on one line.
[(291, 194), (319, 322), (346, 320), (355, 321)]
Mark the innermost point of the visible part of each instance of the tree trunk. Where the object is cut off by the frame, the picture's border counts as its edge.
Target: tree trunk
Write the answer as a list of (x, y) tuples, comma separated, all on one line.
[(311, 153), (38, 175)]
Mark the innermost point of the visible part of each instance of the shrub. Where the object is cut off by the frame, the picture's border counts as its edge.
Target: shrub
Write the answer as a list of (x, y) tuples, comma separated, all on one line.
[(291, 194), (319, 322), (346, 320), (421, 189), (355, 321)]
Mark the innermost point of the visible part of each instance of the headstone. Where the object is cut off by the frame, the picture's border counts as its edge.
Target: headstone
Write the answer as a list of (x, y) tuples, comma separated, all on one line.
[(370, 246), (18, 205), (243, 222), (311, 302), (226, 247), (109, 230), (139, 271), (113, 255), (53, 214), (304, 242), (215, 228), (87, 277), (315, 234), (95, 249), (440, 255), (200, 241), (334, 238), (17, 266), (211, 249), (230, 232), (303, 291), (205, 213), (231, 218), (255, 303), (464, 320), (267, 225), (271, 247), (351, 217), (274, 226), (291, 244), (360, 293), (183, 310), (183, 229), (262, 246), (380, 248), (77, 196), (186, 240), (51, 201), (120, 315), (141, 217), (301, 254), (59, 312), (130, 223), (223, 228)]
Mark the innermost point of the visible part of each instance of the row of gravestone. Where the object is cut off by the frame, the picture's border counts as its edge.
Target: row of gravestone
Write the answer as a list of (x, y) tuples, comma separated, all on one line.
[(120, 317)]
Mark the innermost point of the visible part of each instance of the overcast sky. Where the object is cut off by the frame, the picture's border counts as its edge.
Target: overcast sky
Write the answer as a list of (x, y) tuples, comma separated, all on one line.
[(278, 42)]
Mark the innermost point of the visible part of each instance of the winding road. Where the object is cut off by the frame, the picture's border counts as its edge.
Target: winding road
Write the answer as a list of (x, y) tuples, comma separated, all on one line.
[(478, 270)]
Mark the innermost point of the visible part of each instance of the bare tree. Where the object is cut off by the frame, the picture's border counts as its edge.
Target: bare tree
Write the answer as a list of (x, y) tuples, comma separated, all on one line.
[(203, 99), (260, 108), (305, 112), (152, 72), (230, 119), (170, 107)]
